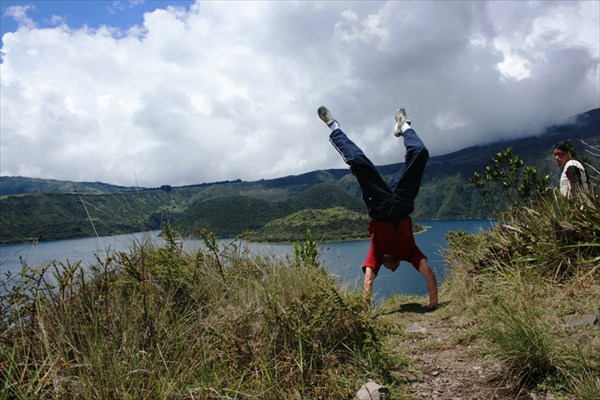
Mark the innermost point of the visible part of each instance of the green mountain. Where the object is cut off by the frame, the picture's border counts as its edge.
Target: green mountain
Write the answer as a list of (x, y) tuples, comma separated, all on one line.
[(229, 216), (68, 215), (332, 224), (20, 185), (326, 195), (232, 215), (30, 208)]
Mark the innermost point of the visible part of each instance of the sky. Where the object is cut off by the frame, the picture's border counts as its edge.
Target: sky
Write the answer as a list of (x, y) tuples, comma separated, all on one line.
[(147, 93)]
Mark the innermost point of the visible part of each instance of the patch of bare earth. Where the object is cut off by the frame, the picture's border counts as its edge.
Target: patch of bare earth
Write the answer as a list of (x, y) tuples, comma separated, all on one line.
[(446, 362)]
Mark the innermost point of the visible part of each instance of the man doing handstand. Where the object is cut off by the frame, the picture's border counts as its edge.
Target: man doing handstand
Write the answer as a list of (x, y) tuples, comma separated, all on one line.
[(388, 205)]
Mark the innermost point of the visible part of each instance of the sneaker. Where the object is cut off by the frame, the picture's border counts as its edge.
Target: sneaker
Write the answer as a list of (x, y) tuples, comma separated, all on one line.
[(325, 115), (401, 118)]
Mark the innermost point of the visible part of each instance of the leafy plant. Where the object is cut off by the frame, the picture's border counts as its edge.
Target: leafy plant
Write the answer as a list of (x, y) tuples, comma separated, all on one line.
[(305, 254), (506, 181)]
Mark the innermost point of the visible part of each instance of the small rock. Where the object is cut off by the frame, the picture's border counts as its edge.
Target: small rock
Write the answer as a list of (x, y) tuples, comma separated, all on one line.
[(372, 391), (585, 320), (415, 328), (577, 337)]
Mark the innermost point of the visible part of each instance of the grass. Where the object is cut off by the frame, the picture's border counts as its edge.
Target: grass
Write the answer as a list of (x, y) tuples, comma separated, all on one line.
[(159, 323), (519, 283)]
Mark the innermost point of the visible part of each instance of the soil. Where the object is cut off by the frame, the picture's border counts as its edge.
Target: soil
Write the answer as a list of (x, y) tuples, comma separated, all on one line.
[(446, 361)]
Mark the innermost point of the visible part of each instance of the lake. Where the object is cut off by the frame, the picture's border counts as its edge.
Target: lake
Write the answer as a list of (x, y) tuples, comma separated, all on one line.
[(342, 259)]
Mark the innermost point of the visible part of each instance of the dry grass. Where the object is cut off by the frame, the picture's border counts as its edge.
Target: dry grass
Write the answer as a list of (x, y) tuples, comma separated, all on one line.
[(158, 323)]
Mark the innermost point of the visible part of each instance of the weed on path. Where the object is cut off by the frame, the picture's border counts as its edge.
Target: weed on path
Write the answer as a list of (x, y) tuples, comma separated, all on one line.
[(443, 359)]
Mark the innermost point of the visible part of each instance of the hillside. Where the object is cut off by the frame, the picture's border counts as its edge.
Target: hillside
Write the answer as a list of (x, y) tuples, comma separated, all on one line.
[(20, 185), (333, 224), (232, 215), (229, 216), (65, 215), (54, 209)]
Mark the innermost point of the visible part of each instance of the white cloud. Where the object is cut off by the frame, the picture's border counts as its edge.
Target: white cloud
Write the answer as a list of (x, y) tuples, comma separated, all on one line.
[(228, 90), (19, 14)]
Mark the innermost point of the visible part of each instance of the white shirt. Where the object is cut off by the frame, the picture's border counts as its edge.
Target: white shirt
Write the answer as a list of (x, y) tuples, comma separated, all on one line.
[(565, 184)]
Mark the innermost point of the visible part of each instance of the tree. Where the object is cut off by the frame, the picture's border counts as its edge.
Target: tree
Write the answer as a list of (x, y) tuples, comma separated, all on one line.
[(507, 182)]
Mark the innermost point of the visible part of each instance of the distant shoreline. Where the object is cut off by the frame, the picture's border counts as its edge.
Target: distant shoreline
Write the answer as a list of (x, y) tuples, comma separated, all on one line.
[(420, 229)]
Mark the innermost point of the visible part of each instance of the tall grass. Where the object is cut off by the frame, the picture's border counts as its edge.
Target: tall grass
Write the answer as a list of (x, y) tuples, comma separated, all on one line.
[(158, 323), (520, 282)]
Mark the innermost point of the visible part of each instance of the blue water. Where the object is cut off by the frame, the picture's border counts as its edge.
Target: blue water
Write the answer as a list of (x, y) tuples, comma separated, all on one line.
[(342, 259), (345, 259)]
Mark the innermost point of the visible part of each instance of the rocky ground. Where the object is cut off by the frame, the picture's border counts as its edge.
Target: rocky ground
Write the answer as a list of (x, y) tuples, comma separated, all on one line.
[(445, 361)]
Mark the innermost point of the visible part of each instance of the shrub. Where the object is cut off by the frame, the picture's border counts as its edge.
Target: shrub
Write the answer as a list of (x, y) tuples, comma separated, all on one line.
[(157, 322)]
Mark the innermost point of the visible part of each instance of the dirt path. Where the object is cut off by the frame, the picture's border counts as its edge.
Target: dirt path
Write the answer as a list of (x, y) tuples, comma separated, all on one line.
[(446, 362)]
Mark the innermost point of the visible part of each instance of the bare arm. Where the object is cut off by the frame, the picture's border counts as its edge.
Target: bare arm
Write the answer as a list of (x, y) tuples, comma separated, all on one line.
[(369, 279), (426, 271)]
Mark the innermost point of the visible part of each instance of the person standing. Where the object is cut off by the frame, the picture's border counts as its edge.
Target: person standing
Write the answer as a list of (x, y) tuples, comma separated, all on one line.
[(573, 177), (389, 205)]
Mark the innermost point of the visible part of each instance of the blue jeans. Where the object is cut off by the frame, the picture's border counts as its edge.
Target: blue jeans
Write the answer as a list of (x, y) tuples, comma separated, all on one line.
[(385, 202)]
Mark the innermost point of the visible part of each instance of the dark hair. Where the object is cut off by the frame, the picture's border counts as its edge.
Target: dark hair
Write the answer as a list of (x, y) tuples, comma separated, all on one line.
[(565, 146)]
